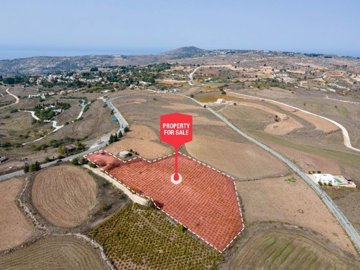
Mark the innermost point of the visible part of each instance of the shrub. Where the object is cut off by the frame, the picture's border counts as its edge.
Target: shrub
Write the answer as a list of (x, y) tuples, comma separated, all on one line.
[(75, 161), (92, 165)]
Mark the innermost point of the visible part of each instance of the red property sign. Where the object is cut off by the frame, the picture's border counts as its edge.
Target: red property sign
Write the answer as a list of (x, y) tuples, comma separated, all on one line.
[(176, 129)]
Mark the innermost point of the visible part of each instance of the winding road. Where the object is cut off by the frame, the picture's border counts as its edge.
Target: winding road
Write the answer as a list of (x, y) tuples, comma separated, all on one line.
[(14, 96), (191, 75), (344, 222), (345, 133), (334, 209), (100, 143)]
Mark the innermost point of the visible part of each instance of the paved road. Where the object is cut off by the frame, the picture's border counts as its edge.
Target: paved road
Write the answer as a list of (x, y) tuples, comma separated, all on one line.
[(344, 222), (96, 146), (122, 121)]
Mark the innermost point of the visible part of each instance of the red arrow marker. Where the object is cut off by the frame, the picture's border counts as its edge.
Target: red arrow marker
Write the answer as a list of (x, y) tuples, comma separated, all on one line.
[(176, 129)]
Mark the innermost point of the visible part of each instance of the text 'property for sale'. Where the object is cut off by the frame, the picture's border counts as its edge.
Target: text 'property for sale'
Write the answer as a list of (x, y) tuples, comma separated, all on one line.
[(181, 129)]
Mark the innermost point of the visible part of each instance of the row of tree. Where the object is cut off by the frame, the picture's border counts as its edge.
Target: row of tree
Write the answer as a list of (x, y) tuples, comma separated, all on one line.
[(32, 167), (115, 137)]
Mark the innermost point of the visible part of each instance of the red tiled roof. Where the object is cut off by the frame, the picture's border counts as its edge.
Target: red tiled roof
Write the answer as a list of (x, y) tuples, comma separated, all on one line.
[(206, 202)]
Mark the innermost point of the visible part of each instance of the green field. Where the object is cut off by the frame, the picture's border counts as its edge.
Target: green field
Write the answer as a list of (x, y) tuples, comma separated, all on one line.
[(139, 237)]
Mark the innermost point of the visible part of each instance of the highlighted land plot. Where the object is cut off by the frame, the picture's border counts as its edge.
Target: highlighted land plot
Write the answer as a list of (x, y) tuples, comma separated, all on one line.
[(206, 202)]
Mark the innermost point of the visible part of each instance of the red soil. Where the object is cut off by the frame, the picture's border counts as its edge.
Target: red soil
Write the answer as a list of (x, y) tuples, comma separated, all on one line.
[(206, 202)]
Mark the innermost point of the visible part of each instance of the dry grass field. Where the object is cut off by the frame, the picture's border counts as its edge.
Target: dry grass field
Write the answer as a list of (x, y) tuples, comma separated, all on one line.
[(95, 123), (319, 123), (60, 253), (15, 228), (64, 195), (287, 250), (148, 113), (147, 149), (349, 202), (243, 160), (310, 162), (293, 202), (15, 126), (285, 124), (143, 140)]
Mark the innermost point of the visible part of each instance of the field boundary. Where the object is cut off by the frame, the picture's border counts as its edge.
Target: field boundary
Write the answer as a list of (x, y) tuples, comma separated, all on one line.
[(154, 202)]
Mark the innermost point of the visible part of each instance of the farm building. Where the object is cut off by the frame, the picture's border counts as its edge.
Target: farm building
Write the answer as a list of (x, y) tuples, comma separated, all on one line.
[(70, 148), (333, 180), (3, 159), (124, 154)]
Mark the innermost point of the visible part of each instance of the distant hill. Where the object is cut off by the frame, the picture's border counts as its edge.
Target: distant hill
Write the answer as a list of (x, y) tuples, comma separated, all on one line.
[(50, 64), (186, 52)]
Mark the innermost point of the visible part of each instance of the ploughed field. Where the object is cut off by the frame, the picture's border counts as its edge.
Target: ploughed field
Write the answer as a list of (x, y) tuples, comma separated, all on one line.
[(64, 195), (284, 251), (54, 252), (15, 227)]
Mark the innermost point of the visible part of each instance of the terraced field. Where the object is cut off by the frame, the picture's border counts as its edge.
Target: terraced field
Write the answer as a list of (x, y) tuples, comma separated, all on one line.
[(143, 238), (62, 252), (281, 250)]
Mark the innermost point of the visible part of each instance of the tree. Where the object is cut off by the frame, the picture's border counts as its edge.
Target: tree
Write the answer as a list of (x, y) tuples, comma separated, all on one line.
[(111, 139), (75, 161), (62, 149), (26, 168), (35, 167)]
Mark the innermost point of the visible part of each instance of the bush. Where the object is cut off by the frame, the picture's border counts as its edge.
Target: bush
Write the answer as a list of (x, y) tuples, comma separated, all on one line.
[(75, 161), (92, 165), (34, 167)]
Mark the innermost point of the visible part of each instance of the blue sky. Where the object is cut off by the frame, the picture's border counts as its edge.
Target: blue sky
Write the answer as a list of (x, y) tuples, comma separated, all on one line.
[(49, 27)]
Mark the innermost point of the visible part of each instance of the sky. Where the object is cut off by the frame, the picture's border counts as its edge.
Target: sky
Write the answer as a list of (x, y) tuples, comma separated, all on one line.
[(78, 27)]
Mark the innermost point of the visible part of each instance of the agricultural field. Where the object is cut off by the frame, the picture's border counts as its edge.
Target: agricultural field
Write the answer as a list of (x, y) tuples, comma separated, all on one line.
[(144, 238), (64, 195), (54, 252), (290, 200), (251, 162), (15, 227), (218, 223), (218, 151), (142, 140), (148, 111), (238, 206), (341, 109), (285, 248)]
